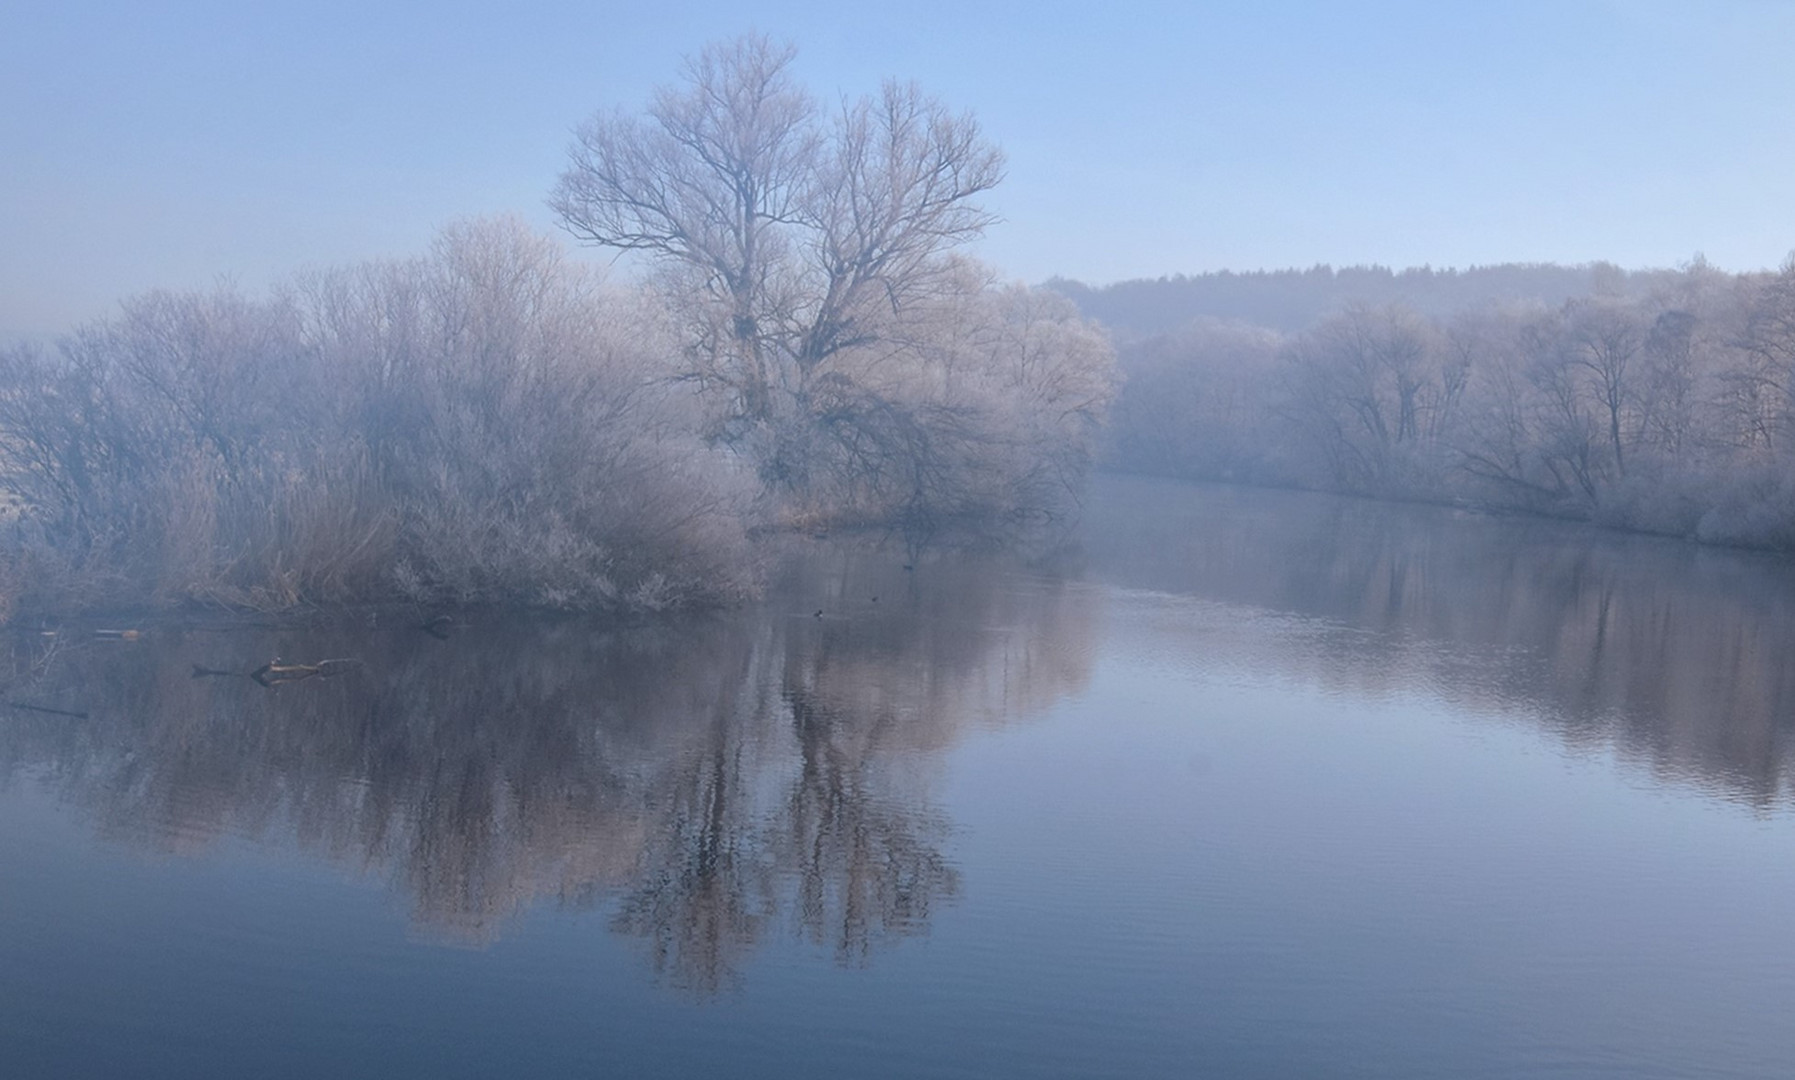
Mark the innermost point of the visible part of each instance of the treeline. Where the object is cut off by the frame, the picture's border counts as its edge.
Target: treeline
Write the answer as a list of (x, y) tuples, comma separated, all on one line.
[(491, 423), (482, 423), (1667, 411), (1295, 300)]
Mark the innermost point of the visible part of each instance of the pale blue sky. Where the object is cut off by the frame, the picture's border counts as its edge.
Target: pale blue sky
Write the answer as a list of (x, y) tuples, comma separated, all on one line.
[(146, 144)]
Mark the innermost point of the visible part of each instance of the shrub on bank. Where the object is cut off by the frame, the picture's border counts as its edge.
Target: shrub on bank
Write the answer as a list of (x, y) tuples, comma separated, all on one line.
[(484, 424)]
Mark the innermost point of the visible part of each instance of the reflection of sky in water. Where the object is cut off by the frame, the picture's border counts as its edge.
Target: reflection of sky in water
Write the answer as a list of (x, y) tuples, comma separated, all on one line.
[(1266, 785)]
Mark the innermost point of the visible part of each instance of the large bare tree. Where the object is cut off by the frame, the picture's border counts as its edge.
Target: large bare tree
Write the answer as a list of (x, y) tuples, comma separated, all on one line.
[(787, 233)]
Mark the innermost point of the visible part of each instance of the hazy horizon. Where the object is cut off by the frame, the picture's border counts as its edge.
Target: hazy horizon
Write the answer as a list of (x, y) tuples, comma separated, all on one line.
[(200, 142)]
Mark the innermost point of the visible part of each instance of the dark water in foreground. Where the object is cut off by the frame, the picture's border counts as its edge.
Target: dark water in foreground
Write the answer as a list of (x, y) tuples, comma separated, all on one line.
[(1258, 784)]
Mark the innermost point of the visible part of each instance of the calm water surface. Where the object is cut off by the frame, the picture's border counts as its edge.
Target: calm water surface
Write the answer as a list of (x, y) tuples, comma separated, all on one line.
[(1246, 784)]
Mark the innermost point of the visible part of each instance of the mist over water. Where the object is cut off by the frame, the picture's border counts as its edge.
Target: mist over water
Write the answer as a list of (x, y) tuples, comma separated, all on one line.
[(1256, 782)]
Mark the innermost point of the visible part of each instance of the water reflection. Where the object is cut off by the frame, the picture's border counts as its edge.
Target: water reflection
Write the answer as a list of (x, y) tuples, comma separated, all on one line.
[(721, 779), (714, 783), (1673, 655)]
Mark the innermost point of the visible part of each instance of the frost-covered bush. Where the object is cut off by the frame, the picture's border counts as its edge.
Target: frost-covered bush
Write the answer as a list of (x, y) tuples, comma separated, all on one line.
[(484, 424)]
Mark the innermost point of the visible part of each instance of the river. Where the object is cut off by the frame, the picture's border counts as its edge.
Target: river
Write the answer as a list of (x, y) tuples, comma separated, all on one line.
[(1234, 783)]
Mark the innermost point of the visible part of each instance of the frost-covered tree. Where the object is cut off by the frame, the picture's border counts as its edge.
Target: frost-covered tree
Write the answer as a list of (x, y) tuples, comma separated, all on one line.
[(800, 248)]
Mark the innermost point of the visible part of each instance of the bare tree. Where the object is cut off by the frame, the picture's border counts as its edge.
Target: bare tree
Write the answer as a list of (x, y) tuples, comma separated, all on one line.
[(1371, 390), (1758, 387), (1600, 339), (795, 246), (711, 180), (1667, 393)]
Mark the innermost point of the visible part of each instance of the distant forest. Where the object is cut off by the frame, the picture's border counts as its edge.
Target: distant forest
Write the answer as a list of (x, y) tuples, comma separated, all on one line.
[(1294, 300), (1660, 400)]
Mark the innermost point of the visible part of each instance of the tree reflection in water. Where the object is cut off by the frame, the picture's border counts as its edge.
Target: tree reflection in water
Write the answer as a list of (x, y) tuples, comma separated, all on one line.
[(719, 778), (1673, 655), (713, 782)]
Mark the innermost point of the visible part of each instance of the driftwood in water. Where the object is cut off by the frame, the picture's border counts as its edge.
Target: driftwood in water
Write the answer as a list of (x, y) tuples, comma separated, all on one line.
[(276, 672)]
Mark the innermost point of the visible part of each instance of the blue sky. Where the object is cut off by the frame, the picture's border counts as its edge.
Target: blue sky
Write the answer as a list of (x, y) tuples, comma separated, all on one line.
[(173, 144)]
